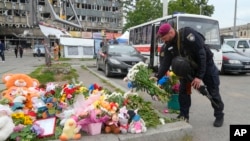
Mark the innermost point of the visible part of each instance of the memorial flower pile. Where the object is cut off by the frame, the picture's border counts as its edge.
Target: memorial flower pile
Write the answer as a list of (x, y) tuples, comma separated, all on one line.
[(45, 113)]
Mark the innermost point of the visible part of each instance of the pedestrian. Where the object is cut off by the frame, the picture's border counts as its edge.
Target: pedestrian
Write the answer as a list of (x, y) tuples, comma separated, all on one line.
[(21, 51), (189, 43), (56, 50), (102, 43), (105, 45), (16, 50), (59, 52), (2, 49), (115, 41), (47, 53), (38, 52)]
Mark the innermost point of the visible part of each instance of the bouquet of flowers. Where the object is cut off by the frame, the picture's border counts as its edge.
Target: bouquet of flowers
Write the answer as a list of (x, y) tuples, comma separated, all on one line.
[(139, 77), (170, 83)]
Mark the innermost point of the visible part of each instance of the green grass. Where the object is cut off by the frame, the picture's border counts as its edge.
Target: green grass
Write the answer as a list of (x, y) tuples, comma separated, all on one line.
[(65, 59), (42, 77), (86, 59), (46, 74)]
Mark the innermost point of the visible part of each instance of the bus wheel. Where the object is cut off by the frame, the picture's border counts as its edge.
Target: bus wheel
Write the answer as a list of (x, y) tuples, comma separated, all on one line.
[(107, 70)]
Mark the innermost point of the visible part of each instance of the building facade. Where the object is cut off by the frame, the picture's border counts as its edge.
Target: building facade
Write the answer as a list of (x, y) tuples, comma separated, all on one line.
[(241, 31), (19, 19)]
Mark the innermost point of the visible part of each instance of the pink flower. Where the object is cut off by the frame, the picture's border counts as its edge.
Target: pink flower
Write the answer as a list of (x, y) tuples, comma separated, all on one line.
[(175, 88)]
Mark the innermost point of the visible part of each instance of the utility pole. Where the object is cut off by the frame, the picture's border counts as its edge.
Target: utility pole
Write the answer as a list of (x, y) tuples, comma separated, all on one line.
[(165, 8), (235, 15)]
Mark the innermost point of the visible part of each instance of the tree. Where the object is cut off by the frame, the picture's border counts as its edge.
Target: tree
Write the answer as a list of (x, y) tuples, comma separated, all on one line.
[(190, 6), (144, 10), (141, 11)]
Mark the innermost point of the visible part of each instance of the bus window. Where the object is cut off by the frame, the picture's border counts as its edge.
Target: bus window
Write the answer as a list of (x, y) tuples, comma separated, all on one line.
[(149, 30)]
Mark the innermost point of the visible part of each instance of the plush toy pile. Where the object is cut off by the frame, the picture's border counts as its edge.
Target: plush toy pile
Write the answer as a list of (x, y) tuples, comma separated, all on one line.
[(77, 109)]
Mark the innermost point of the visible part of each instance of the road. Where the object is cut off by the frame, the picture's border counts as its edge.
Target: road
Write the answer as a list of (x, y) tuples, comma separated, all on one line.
[(235, 92)]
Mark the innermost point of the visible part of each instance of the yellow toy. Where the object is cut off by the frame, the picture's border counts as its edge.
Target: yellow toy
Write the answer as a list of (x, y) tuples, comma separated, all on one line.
[(70, 130)]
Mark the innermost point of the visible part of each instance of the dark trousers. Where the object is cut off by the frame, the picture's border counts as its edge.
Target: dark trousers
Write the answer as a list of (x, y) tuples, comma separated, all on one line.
[(21, 54), (212, 82), (16, 54), (2, 55)]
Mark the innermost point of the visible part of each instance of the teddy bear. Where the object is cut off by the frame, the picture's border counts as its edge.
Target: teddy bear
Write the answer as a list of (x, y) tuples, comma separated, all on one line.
[(18, 84), (70, 130), (51, 109), (112, 125), (6, 122)]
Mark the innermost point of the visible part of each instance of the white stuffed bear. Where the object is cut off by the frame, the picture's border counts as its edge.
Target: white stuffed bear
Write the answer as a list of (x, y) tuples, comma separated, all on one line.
[(6, 122)]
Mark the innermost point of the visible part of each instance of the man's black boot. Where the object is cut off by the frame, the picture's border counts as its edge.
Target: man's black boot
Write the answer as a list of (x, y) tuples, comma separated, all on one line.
[(180, 117), (218, 122)]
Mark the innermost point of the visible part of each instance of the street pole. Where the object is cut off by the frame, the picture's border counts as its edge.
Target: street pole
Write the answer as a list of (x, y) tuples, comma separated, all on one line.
[(165, 8), (200, 9), (235, 14)]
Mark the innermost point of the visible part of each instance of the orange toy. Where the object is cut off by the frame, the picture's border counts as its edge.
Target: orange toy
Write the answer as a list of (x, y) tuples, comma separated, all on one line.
[(18, 84)]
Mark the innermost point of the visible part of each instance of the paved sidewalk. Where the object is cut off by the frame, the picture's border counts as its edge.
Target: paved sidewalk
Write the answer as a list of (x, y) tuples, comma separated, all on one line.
[(177, 131)]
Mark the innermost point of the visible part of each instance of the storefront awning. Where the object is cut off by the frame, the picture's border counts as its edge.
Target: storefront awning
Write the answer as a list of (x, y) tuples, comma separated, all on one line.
[(49, 30)]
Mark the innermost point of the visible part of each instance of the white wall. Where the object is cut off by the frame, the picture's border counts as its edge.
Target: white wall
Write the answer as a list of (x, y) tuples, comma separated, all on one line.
[(77, 47)]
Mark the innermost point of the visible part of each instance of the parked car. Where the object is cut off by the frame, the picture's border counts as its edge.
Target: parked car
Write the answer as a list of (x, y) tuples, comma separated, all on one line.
[(117, 59), (233, 61), (242, 45), (35, 50)]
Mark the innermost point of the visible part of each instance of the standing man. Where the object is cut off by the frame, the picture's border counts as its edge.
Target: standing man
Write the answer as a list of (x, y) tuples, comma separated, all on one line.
[(16, 50), (47, 53), (56, 50), (21, 51), (38, 52), (2, 49), (190, 44)]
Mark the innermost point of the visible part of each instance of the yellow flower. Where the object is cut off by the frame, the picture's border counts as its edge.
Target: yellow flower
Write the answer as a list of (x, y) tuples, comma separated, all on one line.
[(14, 115), (27, 120), (171, 74), (63, 98), (96, 103), (19, 115)]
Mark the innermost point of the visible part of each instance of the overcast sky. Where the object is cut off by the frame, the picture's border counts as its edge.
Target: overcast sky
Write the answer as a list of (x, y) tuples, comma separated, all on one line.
[(224, 12)]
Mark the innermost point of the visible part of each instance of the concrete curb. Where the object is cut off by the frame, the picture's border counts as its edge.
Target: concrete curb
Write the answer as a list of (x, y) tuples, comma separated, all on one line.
[(178, 131)]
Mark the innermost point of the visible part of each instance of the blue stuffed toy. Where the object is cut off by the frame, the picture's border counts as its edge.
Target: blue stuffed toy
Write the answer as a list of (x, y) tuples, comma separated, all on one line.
[(163, 80)]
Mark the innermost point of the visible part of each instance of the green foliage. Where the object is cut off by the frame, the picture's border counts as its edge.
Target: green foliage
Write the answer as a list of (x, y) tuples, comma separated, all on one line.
[(64, 59), (147, 10), (190, 6), (25, 134), (145, 110), (4, 101), (144, 83), (144, 10)]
